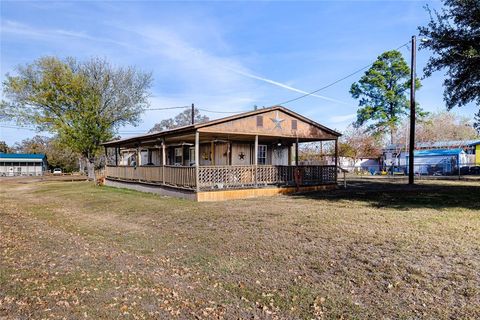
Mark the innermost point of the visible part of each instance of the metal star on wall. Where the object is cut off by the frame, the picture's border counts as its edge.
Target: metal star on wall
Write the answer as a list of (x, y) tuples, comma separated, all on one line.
[(277, 121), (241, 156)]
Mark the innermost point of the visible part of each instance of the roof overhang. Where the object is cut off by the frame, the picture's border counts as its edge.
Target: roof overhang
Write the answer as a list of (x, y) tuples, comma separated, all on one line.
[(158, 137)]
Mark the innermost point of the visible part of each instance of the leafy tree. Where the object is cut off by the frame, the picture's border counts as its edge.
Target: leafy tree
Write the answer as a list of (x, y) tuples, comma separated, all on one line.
[(453, 34), (58, 155), (382, 93), (357, 142), (83, 103), (184, 118), (441, 126), (4, 147)]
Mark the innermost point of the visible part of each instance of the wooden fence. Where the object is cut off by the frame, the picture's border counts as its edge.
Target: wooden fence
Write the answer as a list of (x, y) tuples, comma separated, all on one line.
[(225, 177)]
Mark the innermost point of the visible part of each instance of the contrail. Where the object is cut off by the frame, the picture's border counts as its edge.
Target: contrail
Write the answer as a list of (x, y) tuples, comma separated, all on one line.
[(282, 85)]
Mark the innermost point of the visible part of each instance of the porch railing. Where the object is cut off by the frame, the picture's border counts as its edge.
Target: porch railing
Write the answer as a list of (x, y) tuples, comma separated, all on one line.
[(176, 176), (225, 177), (237, 177)]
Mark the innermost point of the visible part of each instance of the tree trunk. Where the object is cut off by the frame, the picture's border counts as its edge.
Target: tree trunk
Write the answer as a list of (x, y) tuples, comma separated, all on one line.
[(91, 170), (392, 134)]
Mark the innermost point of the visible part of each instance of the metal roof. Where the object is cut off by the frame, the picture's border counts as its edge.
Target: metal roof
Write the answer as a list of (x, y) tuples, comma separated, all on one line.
[(22, 156), (438, 152), (437, 144)]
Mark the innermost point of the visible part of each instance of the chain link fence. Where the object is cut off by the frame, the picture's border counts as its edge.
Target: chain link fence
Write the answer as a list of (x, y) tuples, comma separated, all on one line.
[(444, 170)]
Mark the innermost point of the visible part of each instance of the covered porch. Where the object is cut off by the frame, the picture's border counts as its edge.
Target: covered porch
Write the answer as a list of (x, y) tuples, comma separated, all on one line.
[(208, 158)]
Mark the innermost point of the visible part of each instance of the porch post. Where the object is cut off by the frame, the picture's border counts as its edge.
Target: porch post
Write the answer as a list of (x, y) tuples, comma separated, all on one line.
[(116, 156), (197, 160), (336, 159), (296, 152), (255, 160), (139, 157), (163, 161)]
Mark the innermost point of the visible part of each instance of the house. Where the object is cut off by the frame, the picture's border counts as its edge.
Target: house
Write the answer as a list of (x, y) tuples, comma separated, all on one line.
[(246, 155), (362, 164), (16, 164)]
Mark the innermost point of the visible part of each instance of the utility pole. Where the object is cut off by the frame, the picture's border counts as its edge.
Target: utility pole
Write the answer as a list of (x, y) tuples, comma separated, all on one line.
[(411, 147), (193, 113)]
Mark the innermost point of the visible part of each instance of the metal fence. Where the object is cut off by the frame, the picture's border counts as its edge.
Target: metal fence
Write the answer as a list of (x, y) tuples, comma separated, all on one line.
[(438, 171)]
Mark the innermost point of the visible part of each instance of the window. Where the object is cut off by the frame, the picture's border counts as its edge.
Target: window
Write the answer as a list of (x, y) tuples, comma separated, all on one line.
[(191, 152), (294, 124), (259, 121), (149, 157), (262, 154), (178, 155)]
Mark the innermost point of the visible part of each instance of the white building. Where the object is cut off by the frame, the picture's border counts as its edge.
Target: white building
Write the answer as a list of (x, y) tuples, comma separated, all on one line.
[(13, 164)]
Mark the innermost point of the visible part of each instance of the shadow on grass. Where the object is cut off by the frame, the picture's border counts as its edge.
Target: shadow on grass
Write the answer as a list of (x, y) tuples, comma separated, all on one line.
[(385, 194)]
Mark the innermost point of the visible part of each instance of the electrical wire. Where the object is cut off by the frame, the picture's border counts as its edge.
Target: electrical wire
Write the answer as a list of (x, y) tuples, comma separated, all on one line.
[(334, 82)]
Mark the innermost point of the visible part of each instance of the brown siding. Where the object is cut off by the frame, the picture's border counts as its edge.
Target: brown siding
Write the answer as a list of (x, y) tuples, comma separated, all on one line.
[(221, 154), (244, 148), (249, 125)]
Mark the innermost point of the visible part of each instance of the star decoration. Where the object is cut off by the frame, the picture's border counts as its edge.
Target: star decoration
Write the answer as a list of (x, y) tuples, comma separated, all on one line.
[(277, 121), (241, 156)]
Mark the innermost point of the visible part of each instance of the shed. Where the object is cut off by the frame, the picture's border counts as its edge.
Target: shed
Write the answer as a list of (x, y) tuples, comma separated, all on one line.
[(438, 161), (22, 164)]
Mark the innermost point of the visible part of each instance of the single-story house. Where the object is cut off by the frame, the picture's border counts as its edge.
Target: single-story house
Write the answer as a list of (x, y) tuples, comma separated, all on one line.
[(21, 164), (246, 155)]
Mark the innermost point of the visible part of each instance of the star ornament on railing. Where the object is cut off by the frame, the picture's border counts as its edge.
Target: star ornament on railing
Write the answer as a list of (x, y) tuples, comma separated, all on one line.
[(277, 121)]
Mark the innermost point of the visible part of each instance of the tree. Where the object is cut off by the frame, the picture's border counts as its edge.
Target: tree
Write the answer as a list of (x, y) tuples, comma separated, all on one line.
[(453, 34), (182, 119), (83, 103), (441, 126), (4, 147), (357, 142), (382, 93), (58, 156)]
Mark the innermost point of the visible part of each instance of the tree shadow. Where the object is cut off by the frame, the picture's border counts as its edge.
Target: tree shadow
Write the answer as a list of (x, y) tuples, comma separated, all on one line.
[(399, 195)]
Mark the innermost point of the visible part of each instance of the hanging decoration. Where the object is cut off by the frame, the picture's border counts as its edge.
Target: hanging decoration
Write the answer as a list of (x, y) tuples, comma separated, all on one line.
[(277, 121)]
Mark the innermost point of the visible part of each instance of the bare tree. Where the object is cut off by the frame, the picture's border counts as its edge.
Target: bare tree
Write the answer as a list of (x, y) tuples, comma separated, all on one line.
[(357, 143), (182, 119), (440, 126)]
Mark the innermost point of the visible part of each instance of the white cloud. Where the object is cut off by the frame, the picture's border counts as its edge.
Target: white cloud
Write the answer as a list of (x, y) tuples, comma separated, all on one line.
[(343, 118), (285, 86), (19, 29)]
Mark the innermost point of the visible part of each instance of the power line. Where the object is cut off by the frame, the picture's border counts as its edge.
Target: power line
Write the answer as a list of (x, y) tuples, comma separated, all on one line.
[(213, 111), (166, 108), (335, 82), (200, 109)]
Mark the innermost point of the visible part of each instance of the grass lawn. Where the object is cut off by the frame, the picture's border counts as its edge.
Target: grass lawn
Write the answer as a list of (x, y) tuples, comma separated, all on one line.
[(377, 250)]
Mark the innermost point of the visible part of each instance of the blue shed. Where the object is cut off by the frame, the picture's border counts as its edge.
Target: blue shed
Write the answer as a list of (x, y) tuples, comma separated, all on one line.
[(438, 161), (22, 164)]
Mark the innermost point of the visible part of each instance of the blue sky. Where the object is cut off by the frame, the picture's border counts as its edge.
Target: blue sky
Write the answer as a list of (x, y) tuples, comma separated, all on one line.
[(224, 56)]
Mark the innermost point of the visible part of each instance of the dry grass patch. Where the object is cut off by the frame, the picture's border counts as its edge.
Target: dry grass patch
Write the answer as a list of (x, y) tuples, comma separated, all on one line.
[(375, 251)]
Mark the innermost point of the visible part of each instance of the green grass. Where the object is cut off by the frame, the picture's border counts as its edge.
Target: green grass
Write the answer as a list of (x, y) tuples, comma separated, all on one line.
[(377, 250)]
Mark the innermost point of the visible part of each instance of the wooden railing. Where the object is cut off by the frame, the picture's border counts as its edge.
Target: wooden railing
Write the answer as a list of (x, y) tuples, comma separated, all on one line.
[(180, 176), (183, 177), (225, 177), (236, 177)]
